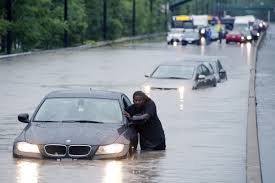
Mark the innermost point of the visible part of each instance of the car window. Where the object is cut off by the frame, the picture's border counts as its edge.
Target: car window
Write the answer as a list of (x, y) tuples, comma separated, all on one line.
[(174, 71), (205, 70), (200, 72), (219, 65), (126, 101), (80, 109), (210, 67)]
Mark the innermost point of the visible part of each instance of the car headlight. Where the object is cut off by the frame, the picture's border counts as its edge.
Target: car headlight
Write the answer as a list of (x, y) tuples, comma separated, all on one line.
[(242, 38), (147, 89), (27, 147), (110, 149), (258, 34), (202, 31), (249, 37)]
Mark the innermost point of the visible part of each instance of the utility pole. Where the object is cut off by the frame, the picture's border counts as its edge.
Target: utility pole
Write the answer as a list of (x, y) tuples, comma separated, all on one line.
[(134, 18), (166, 16), (8, 6), (151, 16), (66, 40), (104, 19)]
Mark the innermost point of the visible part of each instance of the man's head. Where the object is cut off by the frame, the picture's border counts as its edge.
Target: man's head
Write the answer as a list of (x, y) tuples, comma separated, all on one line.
[(139, 99)]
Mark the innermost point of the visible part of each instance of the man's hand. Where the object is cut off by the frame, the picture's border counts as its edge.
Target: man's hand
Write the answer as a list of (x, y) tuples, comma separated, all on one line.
[(126, 114)]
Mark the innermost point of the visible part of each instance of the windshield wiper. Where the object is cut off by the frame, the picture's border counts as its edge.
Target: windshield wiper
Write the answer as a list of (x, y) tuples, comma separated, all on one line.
[(172, 77), (47, 121), (80, 121)]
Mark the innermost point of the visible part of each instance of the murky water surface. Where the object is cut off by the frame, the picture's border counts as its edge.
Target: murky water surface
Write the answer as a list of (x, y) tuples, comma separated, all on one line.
[(205, 133), (265, 87)]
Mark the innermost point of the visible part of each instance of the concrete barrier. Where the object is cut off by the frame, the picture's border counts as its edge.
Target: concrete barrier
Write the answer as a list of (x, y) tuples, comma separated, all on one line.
[(253, 161), (87, 46)]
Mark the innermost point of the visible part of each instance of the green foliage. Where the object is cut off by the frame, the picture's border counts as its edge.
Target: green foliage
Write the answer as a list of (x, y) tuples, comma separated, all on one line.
[(40, 23)]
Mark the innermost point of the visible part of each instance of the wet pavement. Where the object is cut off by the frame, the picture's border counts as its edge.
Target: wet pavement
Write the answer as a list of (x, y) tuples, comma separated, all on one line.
[(265, 95), (205, 133)]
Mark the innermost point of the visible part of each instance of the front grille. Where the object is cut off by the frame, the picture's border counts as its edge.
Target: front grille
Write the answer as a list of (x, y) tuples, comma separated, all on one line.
[(79, 150), (55, 150)]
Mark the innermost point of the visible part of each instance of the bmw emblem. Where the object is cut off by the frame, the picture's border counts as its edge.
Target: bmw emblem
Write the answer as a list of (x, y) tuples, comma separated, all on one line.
[(68, 141)]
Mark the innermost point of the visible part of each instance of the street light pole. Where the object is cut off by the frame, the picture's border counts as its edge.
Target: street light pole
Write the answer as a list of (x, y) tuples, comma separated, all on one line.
[(151, 16), (8, 6), (66, 22), (104, 19), (134, 18)]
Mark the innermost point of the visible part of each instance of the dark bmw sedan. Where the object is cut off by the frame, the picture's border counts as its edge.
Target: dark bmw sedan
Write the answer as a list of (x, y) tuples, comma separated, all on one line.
[(86, 124)]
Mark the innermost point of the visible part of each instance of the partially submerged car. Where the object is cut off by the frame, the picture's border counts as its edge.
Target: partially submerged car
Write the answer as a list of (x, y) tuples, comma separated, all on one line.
[(85, 124), (179, 76)]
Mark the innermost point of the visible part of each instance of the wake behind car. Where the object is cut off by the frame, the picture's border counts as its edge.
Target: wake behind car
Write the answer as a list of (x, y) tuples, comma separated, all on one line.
[(84, 124), (179, 76)]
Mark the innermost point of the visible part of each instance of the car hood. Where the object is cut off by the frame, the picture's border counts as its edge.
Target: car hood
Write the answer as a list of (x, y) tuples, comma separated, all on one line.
[(168, 83), (76, 133)]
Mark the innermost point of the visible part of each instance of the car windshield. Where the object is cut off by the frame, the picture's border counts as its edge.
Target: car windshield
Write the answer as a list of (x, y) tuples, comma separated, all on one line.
[(240, 27), (90, 110), (191, 34), (173, 72), (176, 31), (182, 24)]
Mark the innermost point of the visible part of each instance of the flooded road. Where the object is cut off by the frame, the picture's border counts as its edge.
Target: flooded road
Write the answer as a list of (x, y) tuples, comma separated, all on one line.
[(265, 87), (205, 133)]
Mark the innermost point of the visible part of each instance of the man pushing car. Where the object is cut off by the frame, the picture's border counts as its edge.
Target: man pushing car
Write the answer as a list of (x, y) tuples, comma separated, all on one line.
[(143, 115)]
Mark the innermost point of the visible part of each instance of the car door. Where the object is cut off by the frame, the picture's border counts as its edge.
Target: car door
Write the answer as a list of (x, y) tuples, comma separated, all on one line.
[(208, 75), (131, 132), (199, 82), (221, 71)]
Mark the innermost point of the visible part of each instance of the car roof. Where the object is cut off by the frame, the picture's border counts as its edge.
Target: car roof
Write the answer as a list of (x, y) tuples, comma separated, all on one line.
[(89, 93), (183, 63)]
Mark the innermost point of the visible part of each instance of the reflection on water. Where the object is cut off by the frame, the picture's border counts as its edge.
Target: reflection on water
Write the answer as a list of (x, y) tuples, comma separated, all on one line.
[(203, 43), (248, 52), (113, 172), (26, 171)]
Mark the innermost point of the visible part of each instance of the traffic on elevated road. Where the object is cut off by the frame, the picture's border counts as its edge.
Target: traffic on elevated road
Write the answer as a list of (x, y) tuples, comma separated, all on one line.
[(203, 29)]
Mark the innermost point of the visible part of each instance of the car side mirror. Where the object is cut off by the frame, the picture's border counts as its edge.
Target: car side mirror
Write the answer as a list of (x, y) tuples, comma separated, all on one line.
[(222, 71), (147, 76), (24, 118), (201, 77)]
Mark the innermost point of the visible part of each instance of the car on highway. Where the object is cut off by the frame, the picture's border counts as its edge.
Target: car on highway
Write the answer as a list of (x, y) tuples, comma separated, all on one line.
[(179, 76), (191, 37), (175, 35), (235, 36), (77, 124)]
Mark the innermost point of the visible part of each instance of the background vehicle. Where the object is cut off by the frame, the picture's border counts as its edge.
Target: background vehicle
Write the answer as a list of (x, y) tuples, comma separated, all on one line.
[(175, 35), (235, 36), (191, 37), (182, 22), (77, 124), (228, 22), (179, 76), (201, 22)]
